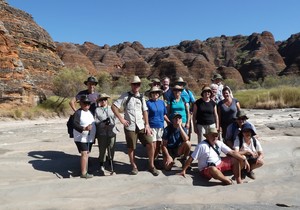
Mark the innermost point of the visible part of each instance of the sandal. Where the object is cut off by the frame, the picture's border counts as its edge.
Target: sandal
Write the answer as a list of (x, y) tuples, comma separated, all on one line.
[(154, 171)]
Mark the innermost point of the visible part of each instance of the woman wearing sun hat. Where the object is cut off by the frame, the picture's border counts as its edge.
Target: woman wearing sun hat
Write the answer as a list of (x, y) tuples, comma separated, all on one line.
[(157, 114), (106, 129), (178, 105), (205, 114)]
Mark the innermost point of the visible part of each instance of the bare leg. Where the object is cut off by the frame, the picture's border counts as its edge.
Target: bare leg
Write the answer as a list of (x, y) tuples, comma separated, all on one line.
[(237, 170), (150, 152), (216, 174), (131, 157), (84, 162)]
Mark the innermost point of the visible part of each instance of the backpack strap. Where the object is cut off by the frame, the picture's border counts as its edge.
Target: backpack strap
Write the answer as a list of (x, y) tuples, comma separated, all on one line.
[(130, 95), (241, 141), (216, 149)]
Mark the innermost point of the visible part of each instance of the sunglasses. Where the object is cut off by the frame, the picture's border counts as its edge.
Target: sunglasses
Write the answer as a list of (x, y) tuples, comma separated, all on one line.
[(136, 84), (104, 99)]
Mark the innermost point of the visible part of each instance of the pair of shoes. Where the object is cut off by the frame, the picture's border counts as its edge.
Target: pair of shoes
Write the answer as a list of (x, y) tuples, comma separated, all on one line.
[(251, 175), (154, 171), (86, 176), (134, 171), (102, 168)]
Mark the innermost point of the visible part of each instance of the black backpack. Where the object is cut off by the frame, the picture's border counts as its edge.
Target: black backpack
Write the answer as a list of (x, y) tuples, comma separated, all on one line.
[(70, 126)]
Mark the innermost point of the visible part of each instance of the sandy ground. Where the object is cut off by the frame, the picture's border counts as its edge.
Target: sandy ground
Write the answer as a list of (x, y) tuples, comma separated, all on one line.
[(40, 170)]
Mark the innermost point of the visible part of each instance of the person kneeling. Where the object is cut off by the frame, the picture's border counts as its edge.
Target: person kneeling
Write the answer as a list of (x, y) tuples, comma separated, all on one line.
[(175, 142), (211, 165)]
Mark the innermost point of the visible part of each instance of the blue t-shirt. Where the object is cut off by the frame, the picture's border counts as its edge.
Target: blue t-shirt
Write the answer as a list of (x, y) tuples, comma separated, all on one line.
[(156, 112), (173, 136)]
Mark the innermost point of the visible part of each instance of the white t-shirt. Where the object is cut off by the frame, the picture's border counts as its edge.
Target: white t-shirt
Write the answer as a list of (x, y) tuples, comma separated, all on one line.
[(247, 147), (206, 154), (86, 118)]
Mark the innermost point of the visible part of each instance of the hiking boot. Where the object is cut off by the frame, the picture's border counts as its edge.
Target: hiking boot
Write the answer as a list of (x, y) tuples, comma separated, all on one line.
[(154, 171), (86, 176), (134, 171), (102, 168), (251, 175)]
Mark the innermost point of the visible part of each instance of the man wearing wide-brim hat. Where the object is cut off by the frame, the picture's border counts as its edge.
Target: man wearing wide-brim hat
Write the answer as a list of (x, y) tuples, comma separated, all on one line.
[(234, 128), (217, 79), (136, 124), (91, 92), (210, 162)]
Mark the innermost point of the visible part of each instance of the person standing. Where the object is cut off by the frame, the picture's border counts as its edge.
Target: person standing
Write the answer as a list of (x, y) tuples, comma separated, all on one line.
[(136, 124), (179, 105), (84, 133), (205, 114), (217, 79), (91, 92), (106, 131), (157, 114), (227, 109)]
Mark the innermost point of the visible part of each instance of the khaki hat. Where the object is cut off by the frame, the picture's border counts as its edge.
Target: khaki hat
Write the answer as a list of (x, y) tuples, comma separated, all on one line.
[(155, 80), (177, 87), (204, 89), (155, 89), (103, 96), (211, 131), (135, 79), (217, 76), (91, 79), (180, 81)]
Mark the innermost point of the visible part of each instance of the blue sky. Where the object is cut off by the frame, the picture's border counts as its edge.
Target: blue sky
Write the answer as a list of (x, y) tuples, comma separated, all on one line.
[(159, 23)]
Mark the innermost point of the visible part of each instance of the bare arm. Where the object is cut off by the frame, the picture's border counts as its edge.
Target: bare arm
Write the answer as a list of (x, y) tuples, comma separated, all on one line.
[(186, 165), (72, 103), (147, 127), (216, 118), (195, 108), (116, 111)]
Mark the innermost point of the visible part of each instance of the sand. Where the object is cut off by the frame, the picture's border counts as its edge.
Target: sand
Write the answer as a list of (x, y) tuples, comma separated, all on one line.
[(40, 170)]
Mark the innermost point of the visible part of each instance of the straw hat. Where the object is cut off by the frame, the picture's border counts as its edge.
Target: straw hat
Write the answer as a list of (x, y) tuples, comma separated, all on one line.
[(204, 89), (211, 131), (155, 89), (103, 96), (135, 79)]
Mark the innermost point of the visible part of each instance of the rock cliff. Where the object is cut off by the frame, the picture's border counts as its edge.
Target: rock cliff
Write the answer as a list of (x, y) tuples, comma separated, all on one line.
[(29, 58)]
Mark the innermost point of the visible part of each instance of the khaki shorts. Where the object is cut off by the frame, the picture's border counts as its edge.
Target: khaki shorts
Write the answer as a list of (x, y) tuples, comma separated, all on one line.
[(132, 137)]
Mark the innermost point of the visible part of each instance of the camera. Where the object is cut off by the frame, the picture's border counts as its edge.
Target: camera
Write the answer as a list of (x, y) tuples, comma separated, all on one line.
[(211, 164), (106, 121)]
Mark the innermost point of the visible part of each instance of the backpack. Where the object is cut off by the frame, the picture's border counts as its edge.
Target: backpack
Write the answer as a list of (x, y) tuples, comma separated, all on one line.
[(241, 141), (70, 126), (130, 95)]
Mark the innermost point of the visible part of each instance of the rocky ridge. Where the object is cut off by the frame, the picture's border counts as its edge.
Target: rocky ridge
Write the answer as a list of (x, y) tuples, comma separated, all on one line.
[(30, 58)]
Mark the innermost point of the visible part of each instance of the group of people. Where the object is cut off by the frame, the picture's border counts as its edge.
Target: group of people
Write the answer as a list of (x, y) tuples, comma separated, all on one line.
[(162, 119)]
